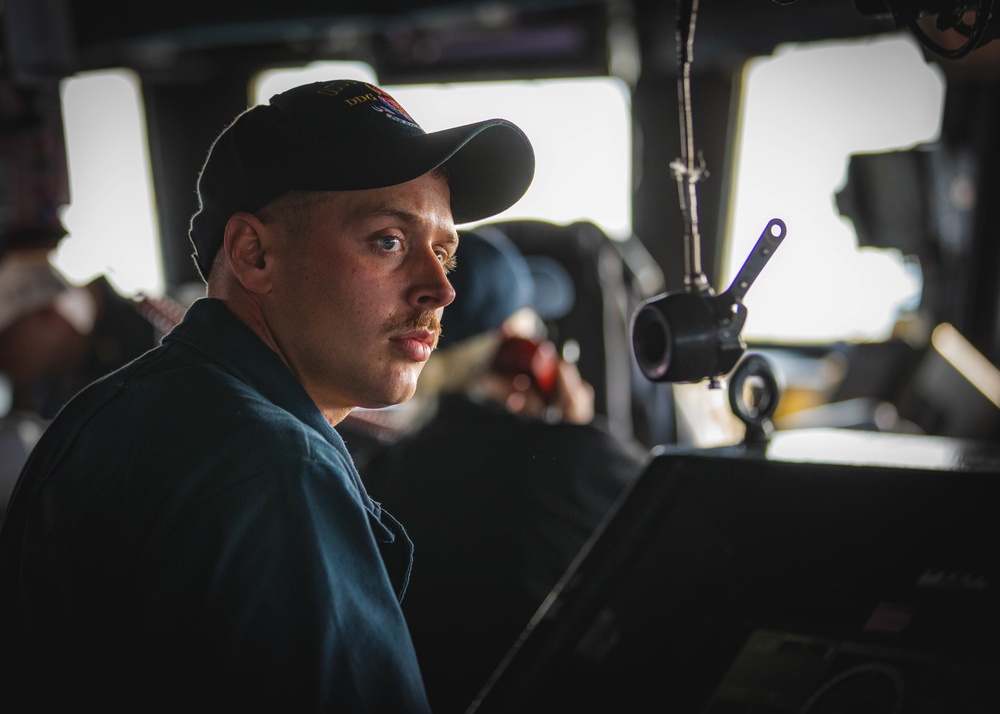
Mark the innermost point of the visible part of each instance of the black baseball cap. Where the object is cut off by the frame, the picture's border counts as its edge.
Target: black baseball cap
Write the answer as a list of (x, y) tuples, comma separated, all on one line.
[(344, 135)]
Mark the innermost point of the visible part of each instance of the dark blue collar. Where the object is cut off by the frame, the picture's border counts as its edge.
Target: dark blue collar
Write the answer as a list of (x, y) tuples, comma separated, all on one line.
[(211, 328)]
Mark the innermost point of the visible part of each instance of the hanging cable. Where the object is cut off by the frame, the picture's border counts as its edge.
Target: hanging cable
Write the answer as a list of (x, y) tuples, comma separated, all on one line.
[(694, 334), (689, 169)]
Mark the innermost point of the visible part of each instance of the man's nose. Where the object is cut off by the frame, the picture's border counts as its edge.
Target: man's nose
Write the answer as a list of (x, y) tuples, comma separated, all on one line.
[(432, 288)]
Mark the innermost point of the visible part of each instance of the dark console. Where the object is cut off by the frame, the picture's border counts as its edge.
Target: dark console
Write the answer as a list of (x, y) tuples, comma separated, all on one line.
[(817, 571)]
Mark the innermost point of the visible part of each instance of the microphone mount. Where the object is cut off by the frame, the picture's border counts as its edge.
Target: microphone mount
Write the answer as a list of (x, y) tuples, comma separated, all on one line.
[(695, 334)]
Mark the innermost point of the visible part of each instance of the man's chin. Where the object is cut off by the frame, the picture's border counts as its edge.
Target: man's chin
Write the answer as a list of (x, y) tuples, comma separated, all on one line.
[(396, 392)]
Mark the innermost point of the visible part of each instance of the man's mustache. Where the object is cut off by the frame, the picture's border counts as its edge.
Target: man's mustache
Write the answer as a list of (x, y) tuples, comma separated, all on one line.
[(422, 321)]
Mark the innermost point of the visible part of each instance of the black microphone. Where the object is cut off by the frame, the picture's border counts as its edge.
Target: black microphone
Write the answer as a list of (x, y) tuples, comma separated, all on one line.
[(690, 336)]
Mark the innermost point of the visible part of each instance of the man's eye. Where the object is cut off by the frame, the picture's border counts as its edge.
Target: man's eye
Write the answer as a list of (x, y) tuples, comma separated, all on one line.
[(448, 261), (389, 243)]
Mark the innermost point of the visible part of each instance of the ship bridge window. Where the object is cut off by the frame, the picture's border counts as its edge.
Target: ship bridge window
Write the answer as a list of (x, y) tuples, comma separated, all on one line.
[(805, 110), (110, 221)]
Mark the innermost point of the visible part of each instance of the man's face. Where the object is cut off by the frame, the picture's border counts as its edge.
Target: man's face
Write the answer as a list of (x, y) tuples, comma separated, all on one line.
[(357, 298)]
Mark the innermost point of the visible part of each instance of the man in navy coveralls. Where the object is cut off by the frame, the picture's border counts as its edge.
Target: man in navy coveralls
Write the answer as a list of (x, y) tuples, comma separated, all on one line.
[(190, 532)]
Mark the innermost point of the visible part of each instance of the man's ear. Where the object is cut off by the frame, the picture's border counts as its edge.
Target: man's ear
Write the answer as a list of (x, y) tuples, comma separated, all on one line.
[(245, 251)]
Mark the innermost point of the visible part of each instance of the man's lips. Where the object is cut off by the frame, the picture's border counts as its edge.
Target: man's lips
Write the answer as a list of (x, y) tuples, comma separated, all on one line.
[(417, 344)]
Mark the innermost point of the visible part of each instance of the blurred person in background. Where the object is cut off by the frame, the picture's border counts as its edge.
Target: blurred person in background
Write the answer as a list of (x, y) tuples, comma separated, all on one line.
[(55, 339)]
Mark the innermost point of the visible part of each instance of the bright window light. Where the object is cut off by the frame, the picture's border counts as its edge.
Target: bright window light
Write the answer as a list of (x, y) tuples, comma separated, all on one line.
[(111, 220), (806, 109)]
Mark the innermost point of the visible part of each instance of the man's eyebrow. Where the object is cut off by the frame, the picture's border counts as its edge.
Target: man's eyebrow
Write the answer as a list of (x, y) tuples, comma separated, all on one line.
[(391, 211), (362, 211), (386, 210)]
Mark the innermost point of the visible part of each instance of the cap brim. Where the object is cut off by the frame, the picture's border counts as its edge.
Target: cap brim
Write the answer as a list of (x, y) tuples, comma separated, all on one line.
[(490, 165)]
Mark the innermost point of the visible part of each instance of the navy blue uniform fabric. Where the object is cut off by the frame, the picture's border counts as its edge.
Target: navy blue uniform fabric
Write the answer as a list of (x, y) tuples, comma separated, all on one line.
[(190, 532)]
